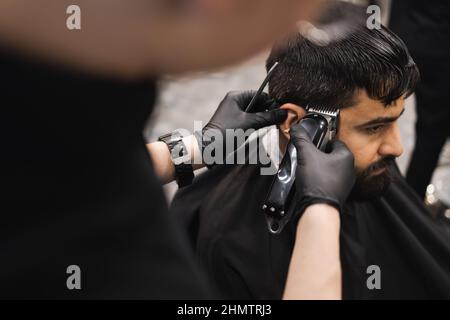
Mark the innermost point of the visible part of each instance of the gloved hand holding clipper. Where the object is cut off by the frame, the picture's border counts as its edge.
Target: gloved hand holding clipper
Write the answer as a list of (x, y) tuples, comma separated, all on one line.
[(231, 115), (321, 177)]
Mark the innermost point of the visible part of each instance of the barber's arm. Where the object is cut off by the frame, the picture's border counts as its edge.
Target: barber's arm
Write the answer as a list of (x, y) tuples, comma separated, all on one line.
[(230, 115), (162, 160), (315, 270), (323, 183)]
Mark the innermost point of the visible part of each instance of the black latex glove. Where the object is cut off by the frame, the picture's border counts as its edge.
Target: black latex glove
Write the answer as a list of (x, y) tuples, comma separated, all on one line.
[(322, 177), (231, 115)]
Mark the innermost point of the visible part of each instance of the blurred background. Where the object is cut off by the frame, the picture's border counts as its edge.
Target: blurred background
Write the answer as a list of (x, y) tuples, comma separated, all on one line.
[(206, 90)]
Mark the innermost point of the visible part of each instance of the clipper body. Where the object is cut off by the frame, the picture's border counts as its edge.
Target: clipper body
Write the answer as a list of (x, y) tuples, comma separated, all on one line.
[(321, 125)]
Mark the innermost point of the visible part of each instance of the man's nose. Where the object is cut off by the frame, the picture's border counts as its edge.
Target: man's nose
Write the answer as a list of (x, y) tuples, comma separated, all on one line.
[(392, 142)]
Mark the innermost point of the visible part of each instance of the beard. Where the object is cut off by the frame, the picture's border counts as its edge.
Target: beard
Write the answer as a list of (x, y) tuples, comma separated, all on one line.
[(370, 182)]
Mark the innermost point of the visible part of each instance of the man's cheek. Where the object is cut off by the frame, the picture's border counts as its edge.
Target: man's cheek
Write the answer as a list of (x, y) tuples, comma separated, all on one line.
[(357, 151), (363, 159), (364, 150)]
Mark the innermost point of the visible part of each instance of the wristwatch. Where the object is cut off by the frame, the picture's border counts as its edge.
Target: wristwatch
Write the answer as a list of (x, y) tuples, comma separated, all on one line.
[(184, 174)]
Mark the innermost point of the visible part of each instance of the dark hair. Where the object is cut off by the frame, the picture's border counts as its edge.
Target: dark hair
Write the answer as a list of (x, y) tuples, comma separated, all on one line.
[(375, 60)]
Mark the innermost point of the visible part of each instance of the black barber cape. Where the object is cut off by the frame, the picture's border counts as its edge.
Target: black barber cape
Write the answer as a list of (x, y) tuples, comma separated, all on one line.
[(222, 212), (79, 189)]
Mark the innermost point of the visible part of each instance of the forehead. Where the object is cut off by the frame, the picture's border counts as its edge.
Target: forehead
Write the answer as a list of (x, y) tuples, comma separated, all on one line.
[(367, 109)]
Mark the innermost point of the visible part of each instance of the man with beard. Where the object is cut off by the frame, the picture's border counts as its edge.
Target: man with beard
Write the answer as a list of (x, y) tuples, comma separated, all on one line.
[(384, 226)]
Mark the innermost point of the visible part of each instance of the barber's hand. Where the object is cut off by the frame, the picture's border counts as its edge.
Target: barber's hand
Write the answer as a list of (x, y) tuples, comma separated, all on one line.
[(231, 115), (322, 177), (231, 112)]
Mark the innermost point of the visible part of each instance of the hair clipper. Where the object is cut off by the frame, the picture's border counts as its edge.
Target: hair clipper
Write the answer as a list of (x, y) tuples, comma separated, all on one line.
[(322, 126)]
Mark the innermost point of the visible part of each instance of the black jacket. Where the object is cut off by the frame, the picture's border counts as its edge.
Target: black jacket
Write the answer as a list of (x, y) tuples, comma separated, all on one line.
[(222, 211)]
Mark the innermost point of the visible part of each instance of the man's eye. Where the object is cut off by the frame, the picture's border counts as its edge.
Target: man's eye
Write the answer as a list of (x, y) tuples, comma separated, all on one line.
[(375, 129)]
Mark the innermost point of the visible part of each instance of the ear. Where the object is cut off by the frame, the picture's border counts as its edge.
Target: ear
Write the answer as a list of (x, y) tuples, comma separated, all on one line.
[(295, 114)]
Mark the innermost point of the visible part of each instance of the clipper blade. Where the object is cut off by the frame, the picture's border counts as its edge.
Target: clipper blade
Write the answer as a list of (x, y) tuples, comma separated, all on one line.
[(329, 111)]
